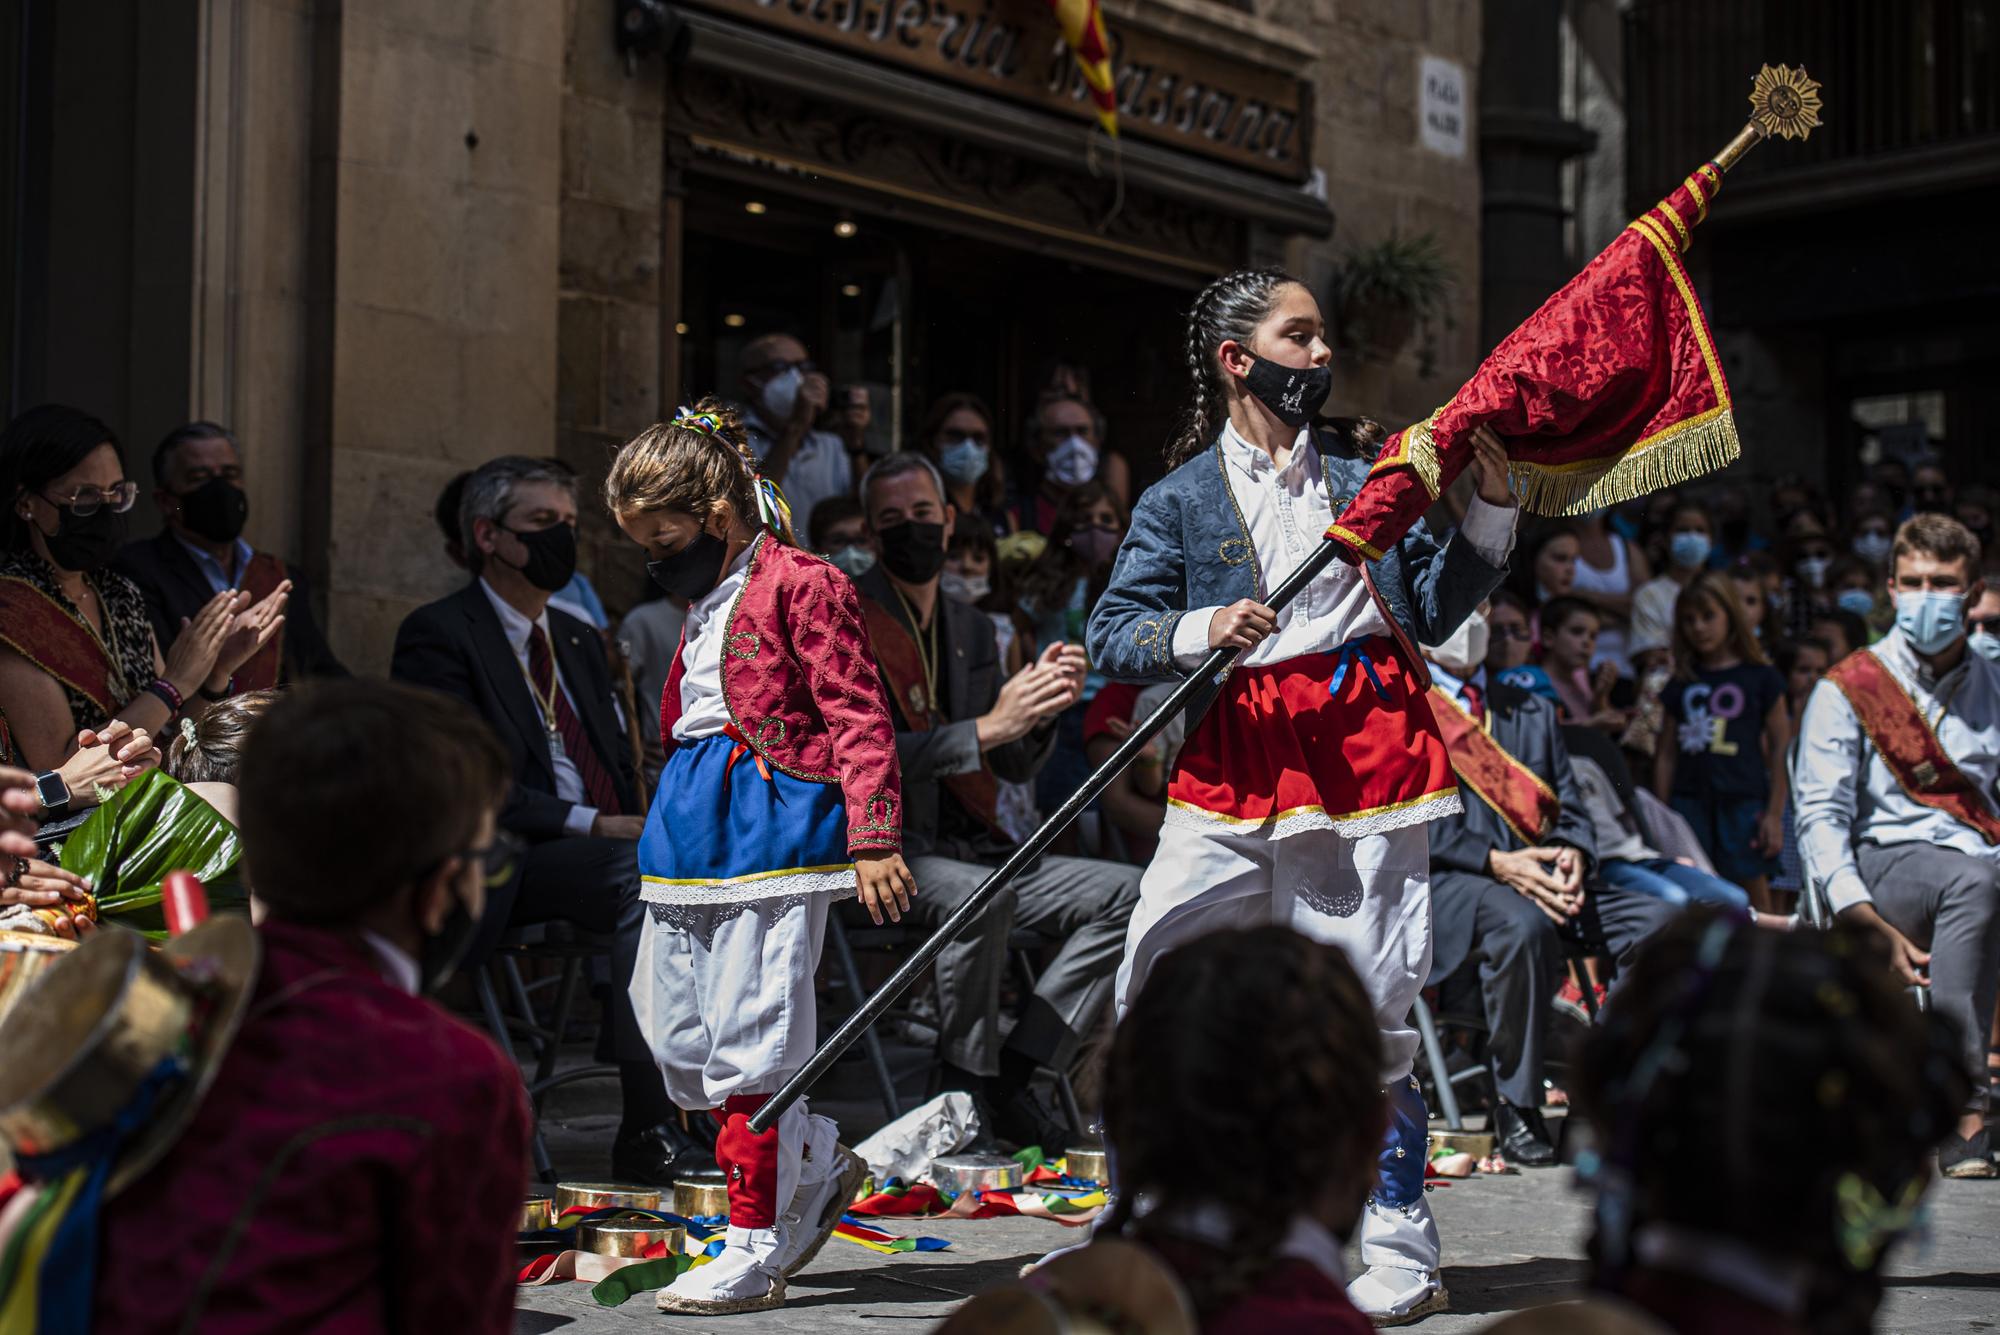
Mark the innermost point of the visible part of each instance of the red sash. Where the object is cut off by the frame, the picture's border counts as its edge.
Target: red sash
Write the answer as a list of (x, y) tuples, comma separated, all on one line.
[(902, 667), (1907, 744), (34, 626), (261, 578), (1522, 797)]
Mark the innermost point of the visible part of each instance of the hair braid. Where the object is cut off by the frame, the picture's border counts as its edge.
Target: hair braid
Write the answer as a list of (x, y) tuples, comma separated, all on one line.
[(1229, 308)]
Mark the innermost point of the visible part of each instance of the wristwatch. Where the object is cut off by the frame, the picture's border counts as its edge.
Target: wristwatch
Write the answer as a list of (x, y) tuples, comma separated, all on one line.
[(51, 790)]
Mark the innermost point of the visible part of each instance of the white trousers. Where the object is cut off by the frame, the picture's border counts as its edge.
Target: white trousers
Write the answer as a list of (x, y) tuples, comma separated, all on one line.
[(724, 994), (1370, 896)]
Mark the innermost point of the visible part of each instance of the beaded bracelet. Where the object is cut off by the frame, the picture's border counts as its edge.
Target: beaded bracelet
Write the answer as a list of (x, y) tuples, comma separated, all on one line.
[(167, 695)]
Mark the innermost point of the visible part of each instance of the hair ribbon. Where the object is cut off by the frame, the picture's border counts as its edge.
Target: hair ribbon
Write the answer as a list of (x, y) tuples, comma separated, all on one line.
[(709, 424)]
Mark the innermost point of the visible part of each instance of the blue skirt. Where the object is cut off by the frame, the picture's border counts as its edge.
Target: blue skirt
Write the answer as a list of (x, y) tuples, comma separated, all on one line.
[(725, 830)]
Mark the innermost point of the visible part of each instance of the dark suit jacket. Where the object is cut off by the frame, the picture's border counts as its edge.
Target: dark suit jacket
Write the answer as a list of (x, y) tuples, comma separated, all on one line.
[(456, 645), (174, 587), (1526, 727), (972, 678)]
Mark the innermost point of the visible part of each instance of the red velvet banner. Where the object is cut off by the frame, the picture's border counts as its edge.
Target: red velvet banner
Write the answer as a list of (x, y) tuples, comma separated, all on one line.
[(1610, 391)]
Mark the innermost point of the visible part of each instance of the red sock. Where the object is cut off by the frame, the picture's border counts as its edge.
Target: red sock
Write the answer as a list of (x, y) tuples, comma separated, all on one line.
[(750, 1162)]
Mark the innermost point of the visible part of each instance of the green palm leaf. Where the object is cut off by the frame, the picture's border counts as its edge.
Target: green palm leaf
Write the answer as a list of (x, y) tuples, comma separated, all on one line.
[(148, 828)]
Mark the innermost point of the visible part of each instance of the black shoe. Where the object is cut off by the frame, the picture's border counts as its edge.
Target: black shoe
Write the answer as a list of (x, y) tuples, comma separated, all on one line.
[(1022, 1119), (1523, 1136), (654, 1156), (1959, 1157)]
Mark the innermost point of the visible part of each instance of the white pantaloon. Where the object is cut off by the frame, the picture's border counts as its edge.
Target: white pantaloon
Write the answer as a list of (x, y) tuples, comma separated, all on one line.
[(724, 994), (1370, 896)]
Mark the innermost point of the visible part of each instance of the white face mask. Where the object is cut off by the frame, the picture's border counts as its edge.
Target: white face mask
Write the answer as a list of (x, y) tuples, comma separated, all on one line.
[(782, 392), (1464, 650), (1074, 462), (964, 588)]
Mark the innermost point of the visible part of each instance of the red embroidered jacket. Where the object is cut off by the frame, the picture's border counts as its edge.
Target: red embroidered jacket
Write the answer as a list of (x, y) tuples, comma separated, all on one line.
[(802, 688)]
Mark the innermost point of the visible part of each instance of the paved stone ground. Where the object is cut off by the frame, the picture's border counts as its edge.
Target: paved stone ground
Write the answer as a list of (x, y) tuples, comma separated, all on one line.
[(1510, 1243)]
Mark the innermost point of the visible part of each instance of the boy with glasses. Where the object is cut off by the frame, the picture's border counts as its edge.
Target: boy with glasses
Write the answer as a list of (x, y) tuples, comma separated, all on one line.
[(359, 1160)]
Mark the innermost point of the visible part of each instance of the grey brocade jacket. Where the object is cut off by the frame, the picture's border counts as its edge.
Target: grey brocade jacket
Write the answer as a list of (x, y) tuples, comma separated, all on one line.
[(1188, 548)]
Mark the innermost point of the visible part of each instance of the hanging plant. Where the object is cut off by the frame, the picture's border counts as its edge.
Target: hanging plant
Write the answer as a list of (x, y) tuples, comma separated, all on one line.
[(1387, 293)]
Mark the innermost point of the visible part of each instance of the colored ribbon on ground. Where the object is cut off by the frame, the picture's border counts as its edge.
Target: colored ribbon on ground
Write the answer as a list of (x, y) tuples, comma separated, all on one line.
[(875, 1240)]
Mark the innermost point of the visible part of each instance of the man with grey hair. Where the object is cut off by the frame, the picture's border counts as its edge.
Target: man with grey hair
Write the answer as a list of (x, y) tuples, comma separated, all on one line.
[(539, 677), (959, 728)]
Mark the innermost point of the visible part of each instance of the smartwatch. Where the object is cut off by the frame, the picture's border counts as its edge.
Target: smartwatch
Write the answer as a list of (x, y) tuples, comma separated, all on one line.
[(51, 790)]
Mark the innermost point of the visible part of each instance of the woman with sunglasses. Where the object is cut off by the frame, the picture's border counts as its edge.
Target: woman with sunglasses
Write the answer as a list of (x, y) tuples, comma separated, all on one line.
[(76, 649)]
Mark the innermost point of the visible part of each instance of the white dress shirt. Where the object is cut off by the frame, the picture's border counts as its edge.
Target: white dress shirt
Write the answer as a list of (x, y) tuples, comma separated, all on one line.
[(1843, 791), (704, 711), (819, 467), (398, 965), (1288, 511), (569, 784)]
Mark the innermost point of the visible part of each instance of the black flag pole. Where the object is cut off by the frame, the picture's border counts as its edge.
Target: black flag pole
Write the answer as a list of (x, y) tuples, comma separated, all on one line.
[(871, 1010)]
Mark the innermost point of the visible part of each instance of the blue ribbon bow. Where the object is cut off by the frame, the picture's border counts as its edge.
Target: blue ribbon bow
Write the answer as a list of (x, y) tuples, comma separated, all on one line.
[(1353, 652)]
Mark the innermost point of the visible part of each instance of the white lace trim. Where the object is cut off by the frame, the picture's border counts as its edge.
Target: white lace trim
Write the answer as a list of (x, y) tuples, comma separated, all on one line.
[(839, 882), (1182, 815)]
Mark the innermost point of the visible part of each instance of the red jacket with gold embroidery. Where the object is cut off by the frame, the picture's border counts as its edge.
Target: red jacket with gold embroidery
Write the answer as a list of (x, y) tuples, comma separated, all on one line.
[(802, 688)]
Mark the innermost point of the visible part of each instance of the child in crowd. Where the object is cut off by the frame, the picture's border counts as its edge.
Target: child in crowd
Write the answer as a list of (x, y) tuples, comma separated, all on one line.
[(973, 574), (1729, 726), (1761, 1108), (1510, 643), (1303, 1128), (740, 861), (1569, 642), (357, 1163), (1801, 665), (208, 750)]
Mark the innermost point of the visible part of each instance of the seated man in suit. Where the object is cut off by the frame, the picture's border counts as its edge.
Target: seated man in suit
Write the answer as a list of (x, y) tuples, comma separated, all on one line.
[(198, 485), (539, 677), (1508, 875), (958, 727)]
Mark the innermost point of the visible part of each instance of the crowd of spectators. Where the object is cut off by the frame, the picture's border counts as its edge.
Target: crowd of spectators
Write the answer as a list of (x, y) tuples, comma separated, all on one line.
[(1655, 665)]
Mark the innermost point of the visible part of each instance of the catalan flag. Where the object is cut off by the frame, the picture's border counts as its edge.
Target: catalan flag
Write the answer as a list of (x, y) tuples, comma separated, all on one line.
[(1083, 32)]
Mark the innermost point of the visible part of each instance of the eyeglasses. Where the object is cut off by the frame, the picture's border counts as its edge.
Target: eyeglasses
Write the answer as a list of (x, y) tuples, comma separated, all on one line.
[(1985, 625), (772, 369), (496, 859), (120, 496)]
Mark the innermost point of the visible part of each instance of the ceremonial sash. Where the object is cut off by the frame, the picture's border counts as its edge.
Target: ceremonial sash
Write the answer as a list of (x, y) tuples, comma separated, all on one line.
[(1522, 797), (261, 578), (1907, 743), (55, 640), (902, 667)]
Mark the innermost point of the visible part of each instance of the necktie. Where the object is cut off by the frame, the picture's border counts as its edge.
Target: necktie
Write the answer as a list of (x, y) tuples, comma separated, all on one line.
[(1475, 701), (597, 785)]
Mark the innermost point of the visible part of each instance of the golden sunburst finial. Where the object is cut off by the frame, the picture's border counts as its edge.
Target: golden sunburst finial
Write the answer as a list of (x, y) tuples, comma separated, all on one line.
[(1785, 102)]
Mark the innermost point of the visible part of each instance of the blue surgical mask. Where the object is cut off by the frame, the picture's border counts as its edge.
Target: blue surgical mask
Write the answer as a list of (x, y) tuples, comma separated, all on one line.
[(1931, 622), (1873, 547), (1986, 646), (855, 561), (963, 461), (1074, 462), (1858, 601), (781, 392), (1689, 550)]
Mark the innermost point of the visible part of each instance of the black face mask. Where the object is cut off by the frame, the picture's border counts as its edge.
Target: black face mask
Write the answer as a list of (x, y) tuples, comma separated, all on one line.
[(551, 555), (693, 570), (443, 953), (215, 510), (86, 542), (1294, 394), (912, 551)]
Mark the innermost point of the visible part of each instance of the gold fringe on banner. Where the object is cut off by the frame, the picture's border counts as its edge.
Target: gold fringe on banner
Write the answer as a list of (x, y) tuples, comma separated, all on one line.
[(1681, 453)]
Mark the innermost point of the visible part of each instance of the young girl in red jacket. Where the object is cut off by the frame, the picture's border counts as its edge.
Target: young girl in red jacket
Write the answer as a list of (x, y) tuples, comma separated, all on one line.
[(780, 794)]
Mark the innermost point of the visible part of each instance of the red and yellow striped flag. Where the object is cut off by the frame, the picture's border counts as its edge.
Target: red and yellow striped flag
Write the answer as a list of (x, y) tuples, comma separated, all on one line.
[(1083, 32)]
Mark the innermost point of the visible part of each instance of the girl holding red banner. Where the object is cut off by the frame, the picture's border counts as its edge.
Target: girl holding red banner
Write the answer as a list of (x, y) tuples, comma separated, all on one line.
[(1301, 793), (781, 793)]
